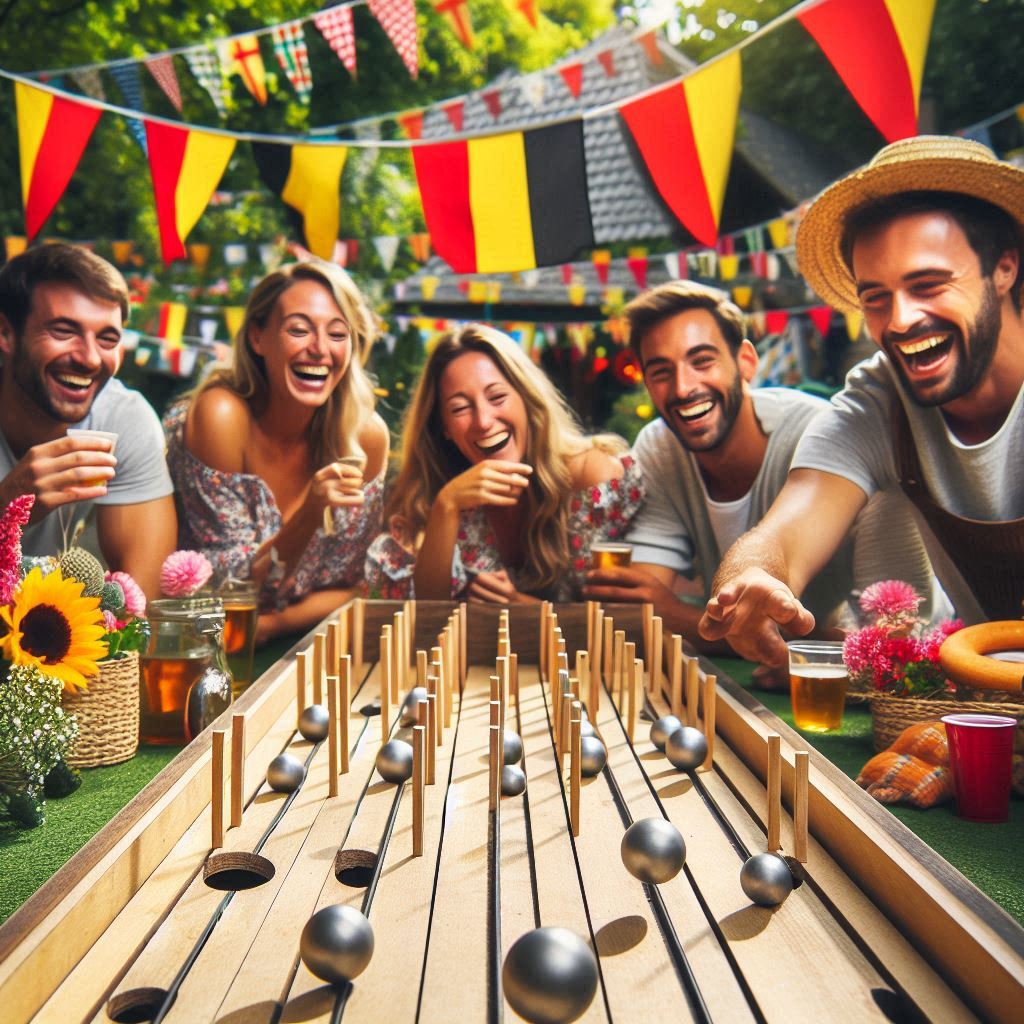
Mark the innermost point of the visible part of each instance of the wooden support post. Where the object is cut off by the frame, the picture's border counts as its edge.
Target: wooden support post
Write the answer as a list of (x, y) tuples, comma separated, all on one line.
[(774, 791), (495, 768), (217, 793), (318, 668), (418, 782), (801, 773), (608, 642), (636, 689), (332, 736), (654, 672), (432, 737), (676, 669), (301, 674), (358, 624), (385, 686), (237, 768), (692, 691), (710, 696), (575, 756), (514, 674), (344, 707)]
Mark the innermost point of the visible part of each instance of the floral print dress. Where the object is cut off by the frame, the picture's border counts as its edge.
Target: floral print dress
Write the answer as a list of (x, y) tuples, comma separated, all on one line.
[(596, 514), (228, 516)]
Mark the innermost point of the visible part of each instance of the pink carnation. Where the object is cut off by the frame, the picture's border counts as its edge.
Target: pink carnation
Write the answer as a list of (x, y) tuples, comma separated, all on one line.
[(134, 598), (184, 572), (110, 623), (12, 520), (890, 601), (861, 651)]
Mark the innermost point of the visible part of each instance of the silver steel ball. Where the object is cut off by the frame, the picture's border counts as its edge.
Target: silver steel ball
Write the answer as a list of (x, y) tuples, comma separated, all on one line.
[(686, 748), (549, 976), (314, 723), (394, 761), (285, 773), (586, 729), (766, 879), (653, 850), (336, 944), (593, 756), (663, 728), (408, 715), (511, 747), (513, 780)]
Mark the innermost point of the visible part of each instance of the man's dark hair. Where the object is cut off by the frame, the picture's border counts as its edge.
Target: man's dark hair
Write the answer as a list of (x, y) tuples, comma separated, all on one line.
[(650, 308), (65, 264), (990, 231)]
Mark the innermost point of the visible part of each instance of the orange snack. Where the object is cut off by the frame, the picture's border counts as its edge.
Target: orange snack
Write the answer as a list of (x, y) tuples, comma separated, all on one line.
[(894, 778)]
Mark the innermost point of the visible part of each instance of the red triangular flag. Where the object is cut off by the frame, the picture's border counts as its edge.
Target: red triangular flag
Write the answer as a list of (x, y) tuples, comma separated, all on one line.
[(528, 9), (775, 320), (602, 260), (638, 268), (492, 100), (457, 13), (398, 19), (454, 112), (649, 41), (566, 273), (607, 59), (412, 123), (572, 75), (161, 67), (759, 264), (821, 316)]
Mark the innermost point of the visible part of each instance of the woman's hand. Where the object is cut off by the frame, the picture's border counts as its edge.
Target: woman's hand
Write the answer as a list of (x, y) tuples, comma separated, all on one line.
[(491, 482), (336, 485), (495, 588)]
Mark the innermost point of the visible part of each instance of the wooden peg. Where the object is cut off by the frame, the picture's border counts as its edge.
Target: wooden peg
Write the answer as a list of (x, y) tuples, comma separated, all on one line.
[(344, 707), (617, 666), (501, 667), (385, 686), (565, 721), (410, 626), (596, 653), (654, 671), (421, 668), (358, 624), (608, 645), (801, 773), (217, 794), (344, 633), (418, 782), (676, 669), (437, 669), (332, 736), (432, 737), (318, 668), (513, 672), (463, 646), (692, 691), (398, 641), (774, 789), (626, 685), (301, 672), (647, 618), (495, 767), (331, 650), (496, 699), (449, 676), (636, 687), (237, 768), (710, 697), (575, 756)]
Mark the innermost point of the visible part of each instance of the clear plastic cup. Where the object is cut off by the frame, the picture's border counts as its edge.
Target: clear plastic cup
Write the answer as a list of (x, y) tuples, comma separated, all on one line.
[(107, 435), (817, 684)]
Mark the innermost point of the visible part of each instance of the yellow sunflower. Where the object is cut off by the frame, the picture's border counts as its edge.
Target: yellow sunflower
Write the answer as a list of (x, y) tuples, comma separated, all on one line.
[(55, 628)]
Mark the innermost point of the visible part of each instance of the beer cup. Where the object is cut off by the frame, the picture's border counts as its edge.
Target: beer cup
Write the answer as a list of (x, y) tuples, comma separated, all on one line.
[(607, 555), (981, 759), (817, 684), (108, 435)]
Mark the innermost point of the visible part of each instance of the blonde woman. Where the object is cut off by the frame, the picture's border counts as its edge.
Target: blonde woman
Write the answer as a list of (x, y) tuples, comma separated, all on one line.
[(500, 494), (279, 460)]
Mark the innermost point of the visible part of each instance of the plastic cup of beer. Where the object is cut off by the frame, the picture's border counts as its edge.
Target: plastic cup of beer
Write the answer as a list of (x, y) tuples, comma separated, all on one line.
[(241, 612), (817, 684), (606, 555), (107, 435), (981, 759)]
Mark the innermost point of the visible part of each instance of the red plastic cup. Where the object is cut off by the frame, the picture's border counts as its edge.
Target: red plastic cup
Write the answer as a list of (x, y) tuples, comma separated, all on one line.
[(981, 758)]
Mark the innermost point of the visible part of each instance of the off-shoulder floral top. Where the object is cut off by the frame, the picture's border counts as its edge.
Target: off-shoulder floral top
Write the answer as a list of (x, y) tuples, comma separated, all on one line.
[(598, 513), (227, 516)]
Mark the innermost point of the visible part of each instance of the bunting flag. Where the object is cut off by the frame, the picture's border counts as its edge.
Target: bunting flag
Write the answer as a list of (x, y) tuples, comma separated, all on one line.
[(685, 135), (673, 262), (775, 320), (572, 75), (854, 324), (161, 68), (420, 246), (205, 66), (172, 323), (398, 19), (456, 13), (649, 42), (566, 273), (412, 123), (292, 55), (186, 167), (129, 82), (234, 317), (602, 260), (728, 266), (821, 317), (242, 57), (533, 90), (52, 135), (507, 202), (387, 249), (607, 61), (454, 112), (89, 81), (637, 263), (492, 100), (878, 49), (778, 232), (308, 179), (528, 9), (335, 24)]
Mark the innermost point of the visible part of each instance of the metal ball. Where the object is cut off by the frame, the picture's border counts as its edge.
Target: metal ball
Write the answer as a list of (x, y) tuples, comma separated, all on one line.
[(766, 879), (663, 728), (686, 748), (394, 761), (285, 773), (512, 747), (408, 715), (336, 944), (586, 729), (653, 850), (593, 756), (549, 976), (513, 780), (314, 723)]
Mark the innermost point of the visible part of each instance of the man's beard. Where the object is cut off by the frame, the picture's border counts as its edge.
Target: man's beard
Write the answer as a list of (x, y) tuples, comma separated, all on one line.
[(31, 381), (729, 405)]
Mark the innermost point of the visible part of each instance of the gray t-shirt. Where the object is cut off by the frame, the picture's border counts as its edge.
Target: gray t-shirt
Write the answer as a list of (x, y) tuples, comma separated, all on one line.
[(853, 439), (141, 471)]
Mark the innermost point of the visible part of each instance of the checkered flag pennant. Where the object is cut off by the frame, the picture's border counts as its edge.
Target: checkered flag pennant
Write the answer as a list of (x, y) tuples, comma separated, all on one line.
[(398, 19), (205, 65), (292, 55), (335, 25), (161, 68)]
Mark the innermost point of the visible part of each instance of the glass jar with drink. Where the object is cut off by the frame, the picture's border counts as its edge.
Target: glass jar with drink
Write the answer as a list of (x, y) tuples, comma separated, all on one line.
[(817, 683), (241, 612)]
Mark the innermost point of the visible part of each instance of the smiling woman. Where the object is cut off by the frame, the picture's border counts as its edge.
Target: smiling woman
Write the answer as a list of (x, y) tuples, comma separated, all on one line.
[(279, 460), (500, 495)]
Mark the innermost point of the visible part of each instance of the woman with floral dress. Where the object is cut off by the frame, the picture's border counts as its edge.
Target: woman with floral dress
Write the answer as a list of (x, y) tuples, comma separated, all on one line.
[(500, 495), (279, 460)]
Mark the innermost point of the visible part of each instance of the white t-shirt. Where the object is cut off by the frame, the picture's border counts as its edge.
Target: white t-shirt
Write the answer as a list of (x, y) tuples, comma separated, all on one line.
[(729, 519)]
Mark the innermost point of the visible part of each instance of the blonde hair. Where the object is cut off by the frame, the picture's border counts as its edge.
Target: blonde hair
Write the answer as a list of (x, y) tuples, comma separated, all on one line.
[(336, 425), (429, 460)]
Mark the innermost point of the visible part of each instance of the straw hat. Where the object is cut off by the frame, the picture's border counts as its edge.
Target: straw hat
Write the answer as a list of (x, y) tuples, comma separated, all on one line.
[(927, 163)]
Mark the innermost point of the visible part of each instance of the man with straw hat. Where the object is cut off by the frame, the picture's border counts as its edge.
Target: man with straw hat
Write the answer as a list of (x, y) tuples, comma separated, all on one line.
[(926, 242)]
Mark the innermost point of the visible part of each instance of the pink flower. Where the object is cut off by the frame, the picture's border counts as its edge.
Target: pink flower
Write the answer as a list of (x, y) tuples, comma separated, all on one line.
[(134, 598), (891, 601), (861, 650), (931, 642), (14, 517), (184, 572), (110, 623)]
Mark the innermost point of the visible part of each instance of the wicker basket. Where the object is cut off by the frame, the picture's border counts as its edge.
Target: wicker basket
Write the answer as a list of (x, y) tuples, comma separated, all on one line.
[(890, 715), (107, 713)]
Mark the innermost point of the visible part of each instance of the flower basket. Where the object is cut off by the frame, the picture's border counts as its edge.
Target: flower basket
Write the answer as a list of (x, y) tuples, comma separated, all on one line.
[(107, 713)]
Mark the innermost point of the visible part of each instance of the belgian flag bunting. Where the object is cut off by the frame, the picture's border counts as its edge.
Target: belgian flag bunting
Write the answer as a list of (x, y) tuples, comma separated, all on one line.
[(186, 167), (308, 179), (52, 135), (507, 202)]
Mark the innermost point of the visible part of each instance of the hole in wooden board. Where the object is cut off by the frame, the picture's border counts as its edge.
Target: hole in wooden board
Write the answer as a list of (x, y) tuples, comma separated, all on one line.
[(797, 870), (135, 1005), (236, 870), (897, 1007), (369, 710), (355, 868)]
